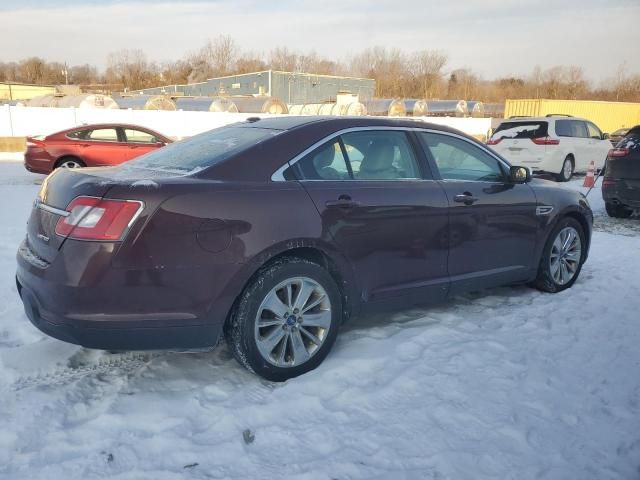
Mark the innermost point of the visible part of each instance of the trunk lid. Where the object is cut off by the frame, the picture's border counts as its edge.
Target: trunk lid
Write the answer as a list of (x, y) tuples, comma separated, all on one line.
[(626, 167), (63, 185), (514, 141)]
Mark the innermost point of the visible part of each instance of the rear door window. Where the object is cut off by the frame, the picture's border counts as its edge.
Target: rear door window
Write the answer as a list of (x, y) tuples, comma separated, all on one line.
[(523, 129), (380, 155), (571, 128), (103, 135), (325, 163)]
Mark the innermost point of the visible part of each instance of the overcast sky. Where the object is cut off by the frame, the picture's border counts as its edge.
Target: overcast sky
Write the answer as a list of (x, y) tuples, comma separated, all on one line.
[(493, 37)]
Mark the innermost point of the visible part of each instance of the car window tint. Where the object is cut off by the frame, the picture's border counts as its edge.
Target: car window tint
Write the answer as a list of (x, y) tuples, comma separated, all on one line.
[(571, 128), (580, 129), (523, 129), (594, 132), (324, 163), (103, 134), (380, 155), (563, 128), (203, 150), (80, 134), (458, 159), (138, 136)]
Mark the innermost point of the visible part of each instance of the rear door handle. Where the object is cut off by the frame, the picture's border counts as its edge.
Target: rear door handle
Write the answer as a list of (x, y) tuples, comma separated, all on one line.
[(343, 201), (465, 198)]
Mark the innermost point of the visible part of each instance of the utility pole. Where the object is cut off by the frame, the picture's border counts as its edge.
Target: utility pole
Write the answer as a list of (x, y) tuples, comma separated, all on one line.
[(65, 72)]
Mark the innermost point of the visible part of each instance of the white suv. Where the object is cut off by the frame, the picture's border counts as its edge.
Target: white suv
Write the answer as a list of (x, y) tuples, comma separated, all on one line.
[(558, 144)]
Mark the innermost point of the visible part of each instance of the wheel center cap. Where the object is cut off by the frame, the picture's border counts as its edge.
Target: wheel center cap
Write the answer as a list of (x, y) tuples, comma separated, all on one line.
[(291, 321)]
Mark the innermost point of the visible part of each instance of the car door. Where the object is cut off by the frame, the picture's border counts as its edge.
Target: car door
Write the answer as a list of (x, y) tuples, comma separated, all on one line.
[(583, 147), (492, 222), (101, 147), (599, 146), (139, 142), (381, 208)]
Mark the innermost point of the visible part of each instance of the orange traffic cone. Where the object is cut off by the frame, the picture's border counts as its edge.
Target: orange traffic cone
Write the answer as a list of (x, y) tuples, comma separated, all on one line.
[(589, 180)]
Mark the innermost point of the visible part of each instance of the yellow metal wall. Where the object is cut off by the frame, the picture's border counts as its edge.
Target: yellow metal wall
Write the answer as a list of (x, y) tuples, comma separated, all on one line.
[(609, 116), (24, 92)]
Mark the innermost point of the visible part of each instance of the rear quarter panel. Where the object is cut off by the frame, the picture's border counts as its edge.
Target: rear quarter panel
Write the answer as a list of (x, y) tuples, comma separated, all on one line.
[(206, 239)]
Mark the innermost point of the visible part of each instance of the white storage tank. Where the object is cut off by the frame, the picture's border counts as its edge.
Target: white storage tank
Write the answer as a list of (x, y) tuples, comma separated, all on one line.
[(388, 107), (88, 101), (146, 102)]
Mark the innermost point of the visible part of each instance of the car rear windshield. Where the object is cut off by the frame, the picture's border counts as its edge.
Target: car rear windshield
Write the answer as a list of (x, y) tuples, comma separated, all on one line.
[(203, 150), (521, 130)]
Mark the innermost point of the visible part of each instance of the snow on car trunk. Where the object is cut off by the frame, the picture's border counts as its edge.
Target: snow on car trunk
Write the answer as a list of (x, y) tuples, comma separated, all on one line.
[(508, 383)]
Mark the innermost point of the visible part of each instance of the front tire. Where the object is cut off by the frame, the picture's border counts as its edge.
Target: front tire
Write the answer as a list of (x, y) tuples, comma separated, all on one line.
[(567, 170), (562, 257), (617, 211), (286, 320)]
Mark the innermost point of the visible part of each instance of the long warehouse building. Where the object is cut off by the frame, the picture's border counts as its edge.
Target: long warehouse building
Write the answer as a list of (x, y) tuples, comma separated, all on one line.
[(290, 87)]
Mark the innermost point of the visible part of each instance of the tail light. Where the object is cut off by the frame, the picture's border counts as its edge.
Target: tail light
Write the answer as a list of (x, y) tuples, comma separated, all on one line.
[(494, 141), (33, 142), (92, 218), (545, 141), (619, 152), (608, 182)]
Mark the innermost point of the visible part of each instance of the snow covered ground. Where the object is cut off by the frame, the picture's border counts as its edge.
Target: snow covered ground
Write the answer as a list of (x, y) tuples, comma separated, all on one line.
[(505, 384)]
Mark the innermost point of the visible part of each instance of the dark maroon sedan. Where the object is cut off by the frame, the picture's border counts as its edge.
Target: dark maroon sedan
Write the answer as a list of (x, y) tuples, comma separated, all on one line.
[(90, 146), (275, 231)]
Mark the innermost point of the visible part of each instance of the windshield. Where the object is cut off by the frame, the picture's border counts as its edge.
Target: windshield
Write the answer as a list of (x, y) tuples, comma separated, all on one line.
[(203, 150), (521, 130)]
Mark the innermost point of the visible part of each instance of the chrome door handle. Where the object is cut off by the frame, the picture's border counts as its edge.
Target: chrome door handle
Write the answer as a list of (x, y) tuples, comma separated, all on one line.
[(343, 201), (465, 198)]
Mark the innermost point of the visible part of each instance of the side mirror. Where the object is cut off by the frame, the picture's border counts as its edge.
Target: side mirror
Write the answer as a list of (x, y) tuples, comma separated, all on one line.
[(606, 136), (160, 144), (519, 174)]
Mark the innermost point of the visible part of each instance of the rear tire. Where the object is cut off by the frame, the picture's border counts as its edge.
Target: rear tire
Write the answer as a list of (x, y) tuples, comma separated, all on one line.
[(283, 345), (70, 162), (560, 267), (617, 211), (567, 170)]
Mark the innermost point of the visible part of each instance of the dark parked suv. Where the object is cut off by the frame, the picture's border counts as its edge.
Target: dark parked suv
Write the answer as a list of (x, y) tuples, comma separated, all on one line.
[(275, 231), (621, 184)]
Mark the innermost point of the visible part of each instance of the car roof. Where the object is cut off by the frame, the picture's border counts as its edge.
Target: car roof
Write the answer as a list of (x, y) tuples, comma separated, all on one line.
[(547, 118), (290, 122), (106, 125)]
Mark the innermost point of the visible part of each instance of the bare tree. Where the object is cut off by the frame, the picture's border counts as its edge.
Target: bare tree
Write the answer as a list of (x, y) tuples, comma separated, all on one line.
[(130, 68), (33, 70), (427, 68), (281, 58), (250, 62)]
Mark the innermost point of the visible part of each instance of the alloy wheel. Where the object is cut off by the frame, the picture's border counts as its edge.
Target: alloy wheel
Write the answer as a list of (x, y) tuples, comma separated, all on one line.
[(70, 164), (292, 322), (566, 253)]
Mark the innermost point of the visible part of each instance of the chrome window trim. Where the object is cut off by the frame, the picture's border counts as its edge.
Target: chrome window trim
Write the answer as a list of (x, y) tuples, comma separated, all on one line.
[(278, 175), (93, 139)]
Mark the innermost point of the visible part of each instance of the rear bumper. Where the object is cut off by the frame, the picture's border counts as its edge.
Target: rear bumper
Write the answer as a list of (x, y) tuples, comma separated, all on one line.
[(117, 335), (621, 194), (37, 165), (109, 317)]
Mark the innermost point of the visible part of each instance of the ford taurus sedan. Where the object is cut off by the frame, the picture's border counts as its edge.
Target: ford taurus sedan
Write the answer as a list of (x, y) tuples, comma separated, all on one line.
[(273, 232), (90, 146)]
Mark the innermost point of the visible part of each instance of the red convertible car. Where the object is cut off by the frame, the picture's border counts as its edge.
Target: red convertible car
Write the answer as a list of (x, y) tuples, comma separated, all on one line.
[(90, 146)]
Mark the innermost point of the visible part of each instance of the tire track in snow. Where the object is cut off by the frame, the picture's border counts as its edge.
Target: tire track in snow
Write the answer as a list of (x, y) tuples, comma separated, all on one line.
[(125, 362)]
